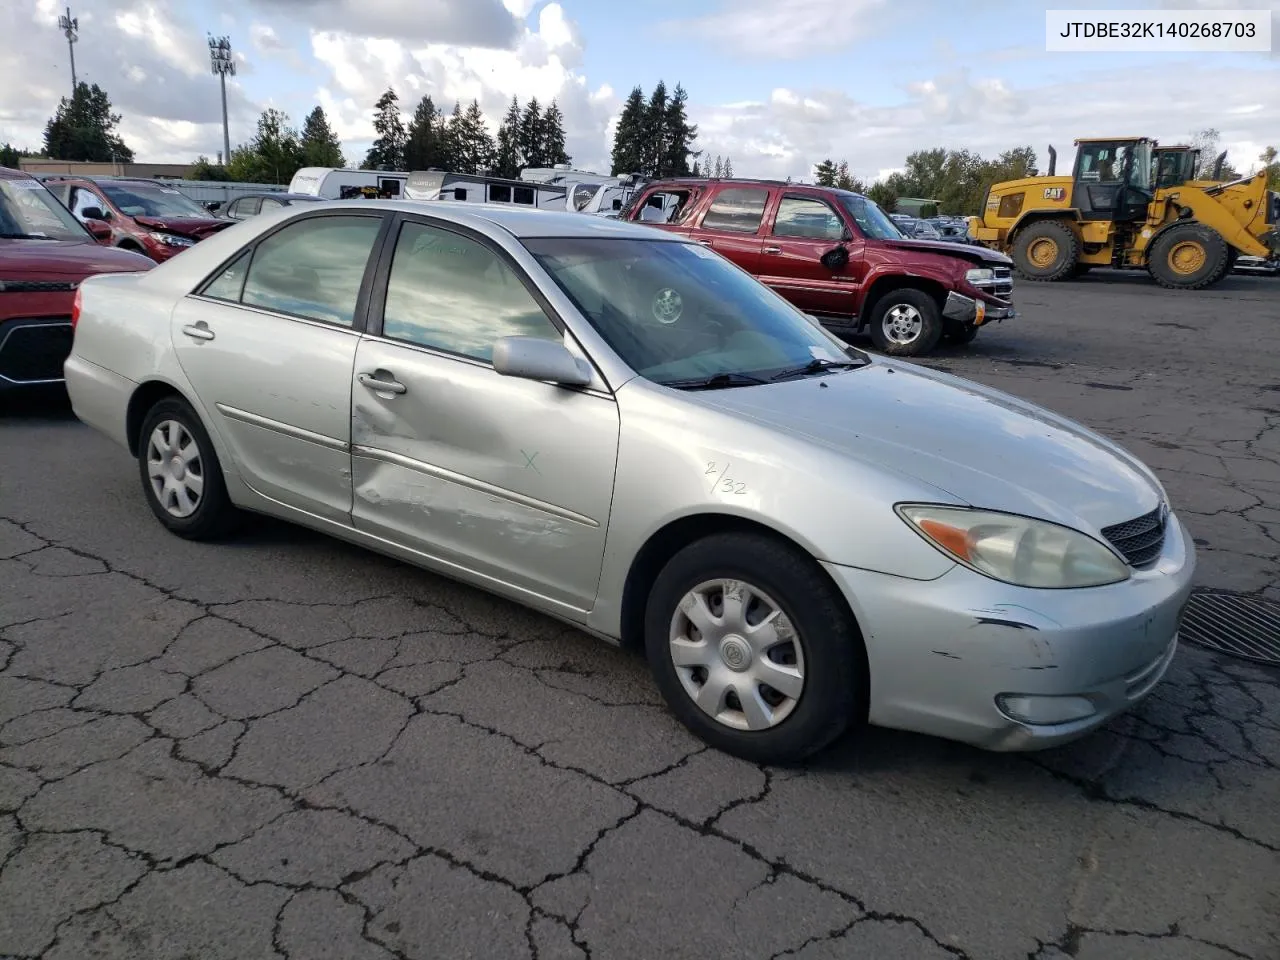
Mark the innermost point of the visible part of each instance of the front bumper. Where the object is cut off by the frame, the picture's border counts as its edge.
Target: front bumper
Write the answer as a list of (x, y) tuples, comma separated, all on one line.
[(33, 350), (970, 310), (941, 651)]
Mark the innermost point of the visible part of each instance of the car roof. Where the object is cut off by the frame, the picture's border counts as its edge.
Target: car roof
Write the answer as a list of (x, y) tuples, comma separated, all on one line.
[(9, 173), (519, 222)]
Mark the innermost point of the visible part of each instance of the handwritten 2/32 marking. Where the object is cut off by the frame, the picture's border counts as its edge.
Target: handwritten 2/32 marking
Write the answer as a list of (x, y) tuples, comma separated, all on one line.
[(723, 483)]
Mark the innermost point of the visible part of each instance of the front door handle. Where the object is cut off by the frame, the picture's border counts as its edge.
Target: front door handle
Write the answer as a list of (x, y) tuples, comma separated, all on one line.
[(198, 331), (772, 249), (705, 243), (379, 385)]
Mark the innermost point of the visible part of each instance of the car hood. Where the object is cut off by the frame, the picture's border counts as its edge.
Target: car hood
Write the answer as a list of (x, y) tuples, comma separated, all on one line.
[(948, 248), (64, 259), (196, 227), (983, 447)]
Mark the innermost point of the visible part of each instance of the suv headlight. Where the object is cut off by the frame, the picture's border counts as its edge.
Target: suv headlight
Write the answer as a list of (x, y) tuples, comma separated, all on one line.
[(172, 240), (980, 275), (1017, 550)]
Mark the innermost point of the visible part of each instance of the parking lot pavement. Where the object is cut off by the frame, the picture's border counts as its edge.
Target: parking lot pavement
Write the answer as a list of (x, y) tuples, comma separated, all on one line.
[(285, 747)]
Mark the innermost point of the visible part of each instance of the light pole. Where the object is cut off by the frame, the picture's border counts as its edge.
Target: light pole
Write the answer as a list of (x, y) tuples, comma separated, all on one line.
[(70, 27), (223, 64)]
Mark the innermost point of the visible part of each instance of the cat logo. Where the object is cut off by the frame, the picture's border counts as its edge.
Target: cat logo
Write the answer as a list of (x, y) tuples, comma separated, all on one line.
[(1055, 193)]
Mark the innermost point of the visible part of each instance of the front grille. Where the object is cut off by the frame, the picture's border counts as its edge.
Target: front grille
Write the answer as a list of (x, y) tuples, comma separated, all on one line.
[(34, 352), (38, 286), (1001, 286), (1140, 540)]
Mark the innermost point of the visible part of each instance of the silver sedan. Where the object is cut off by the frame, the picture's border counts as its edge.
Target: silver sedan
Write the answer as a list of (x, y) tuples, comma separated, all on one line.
[(625, 431)]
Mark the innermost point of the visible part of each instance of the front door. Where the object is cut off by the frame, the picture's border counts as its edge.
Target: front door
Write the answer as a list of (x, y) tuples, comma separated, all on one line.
[(269, 343), (803, 229), (731, 225), (507, 478), (1110, 182)]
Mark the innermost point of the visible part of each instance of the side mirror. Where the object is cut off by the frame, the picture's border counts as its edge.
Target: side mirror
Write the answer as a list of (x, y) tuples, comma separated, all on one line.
[(532, 358), (101, 232), (93, 213), (835, 259), (213, 205)]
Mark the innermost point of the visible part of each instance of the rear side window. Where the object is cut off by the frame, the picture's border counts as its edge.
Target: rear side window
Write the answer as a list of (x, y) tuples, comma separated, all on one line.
[(738, 210), (312, 269)]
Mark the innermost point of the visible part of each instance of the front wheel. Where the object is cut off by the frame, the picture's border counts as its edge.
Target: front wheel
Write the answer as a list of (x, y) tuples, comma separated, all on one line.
[(753, 648), (906, 323), (1189, 256), (181, 477)]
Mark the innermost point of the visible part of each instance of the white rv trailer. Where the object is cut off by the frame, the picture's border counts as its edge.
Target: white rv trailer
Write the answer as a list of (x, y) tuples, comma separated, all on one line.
[(473, 188), (332, 183)]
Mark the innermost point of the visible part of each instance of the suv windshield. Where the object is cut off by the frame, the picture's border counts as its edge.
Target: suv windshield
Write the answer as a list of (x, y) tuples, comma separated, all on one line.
[(150, 200), (29, 211), (870, 218), (677, 312)]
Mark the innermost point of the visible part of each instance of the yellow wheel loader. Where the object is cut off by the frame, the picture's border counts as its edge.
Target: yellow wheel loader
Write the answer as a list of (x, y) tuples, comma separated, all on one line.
[(1130, 204)]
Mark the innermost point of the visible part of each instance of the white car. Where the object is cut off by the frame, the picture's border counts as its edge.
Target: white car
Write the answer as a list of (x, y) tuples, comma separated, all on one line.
[(619, 427)]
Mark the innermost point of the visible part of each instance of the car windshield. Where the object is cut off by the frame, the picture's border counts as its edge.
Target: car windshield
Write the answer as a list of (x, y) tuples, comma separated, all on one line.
[(871, 220), (149, 200), (677, 312), (29, 211)]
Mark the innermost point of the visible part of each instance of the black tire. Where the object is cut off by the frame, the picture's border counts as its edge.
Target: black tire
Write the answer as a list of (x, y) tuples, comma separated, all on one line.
[(1045, 251), (930, 322), (1228, 265), (833, 695), (214, 516), (1189, 256)]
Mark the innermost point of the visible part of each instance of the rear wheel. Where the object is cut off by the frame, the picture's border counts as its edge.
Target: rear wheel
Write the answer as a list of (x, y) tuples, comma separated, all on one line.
[(1046, 250), (906, 323), (181, 476), (753, 648), (1189, 256)]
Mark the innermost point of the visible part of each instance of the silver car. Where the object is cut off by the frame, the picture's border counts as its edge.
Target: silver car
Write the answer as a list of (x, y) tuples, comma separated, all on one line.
[(623, 430)]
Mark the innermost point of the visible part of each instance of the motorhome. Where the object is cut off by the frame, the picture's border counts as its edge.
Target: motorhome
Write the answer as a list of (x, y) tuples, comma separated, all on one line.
[(473, 188), (332, 183)]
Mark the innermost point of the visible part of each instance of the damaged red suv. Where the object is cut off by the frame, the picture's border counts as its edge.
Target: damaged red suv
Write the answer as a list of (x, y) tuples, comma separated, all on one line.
[(147, 216), (835, 255), (44, 254)]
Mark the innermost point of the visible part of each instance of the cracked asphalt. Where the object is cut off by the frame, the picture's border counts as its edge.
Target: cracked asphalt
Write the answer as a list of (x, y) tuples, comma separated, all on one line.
[(285, 747)]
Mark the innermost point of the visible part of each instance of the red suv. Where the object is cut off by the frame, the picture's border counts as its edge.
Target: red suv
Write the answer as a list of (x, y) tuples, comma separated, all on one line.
[(836, 256), (148, 216), (44, 254)]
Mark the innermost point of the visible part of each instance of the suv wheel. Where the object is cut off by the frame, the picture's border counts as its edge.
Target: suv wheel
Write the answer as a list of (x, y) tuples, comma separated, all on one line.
[(906, 323)]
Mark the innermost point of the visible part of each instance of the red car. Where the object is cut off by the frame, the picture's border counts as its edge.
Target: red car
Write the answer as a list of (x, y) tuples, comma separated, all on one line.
[(836, 256), (148, 216), (44, 254)]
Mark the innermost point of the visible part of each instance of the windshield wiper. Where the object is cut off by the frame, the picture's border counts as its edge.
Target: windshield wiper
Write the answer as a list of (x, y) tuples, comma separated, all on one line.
[(716, 382), (817, 365)]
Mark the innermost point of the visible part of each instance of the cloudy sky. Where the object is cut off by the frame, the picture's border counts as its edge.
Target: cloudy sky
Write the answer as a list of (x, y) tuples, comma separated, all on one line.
[(775, 84)]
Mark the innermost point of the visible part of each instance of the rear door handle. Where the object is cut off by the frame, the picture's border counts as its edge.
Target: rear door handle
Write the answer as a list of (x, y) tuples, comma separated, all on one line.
[(198, 331), (772, 249), (379, 385)]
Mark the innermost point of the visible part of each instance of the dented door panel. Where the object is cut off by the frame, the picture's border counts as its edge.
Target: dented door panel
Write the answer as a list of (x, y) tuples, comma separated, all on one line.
[(509, 478)]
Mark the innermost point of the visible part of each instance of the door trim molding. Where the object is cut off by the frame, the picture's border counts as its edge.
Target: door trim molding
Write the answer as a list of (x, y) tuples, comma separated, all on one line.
[(440, 473), (286, 429)]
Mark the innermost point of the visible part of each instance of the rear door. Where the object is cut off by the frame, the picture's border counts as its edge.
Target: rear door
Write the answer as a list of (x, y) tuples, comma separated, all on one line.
[(733, 223), (268, 344), (801, 228)]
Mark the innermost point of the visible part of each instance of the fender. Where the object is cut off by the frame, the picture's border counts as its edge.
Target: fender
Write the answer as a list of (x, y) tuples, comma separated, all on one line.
[(1210, 213), (1043, 213)]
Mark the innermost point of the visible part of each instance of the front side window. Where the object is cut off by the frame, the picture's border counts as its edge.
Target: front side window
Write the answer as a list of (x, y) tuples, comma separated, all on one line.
[(675, 311), (151, 200), (871, 220), (806, 218), (29, 211), (313, 268), (737, 210), (450, 293)]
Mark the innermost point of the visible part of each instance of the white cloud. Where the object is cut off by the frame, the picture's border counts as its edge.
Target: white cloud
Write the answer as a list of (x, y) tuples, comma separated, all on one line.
[(471, 22), (785, 29)]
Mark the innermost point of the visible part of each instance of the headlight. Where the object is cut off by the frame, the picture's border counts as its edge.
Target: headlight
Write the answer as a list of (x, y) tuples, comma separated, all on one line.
[(980, 275), (1017, 550), (171, 240)]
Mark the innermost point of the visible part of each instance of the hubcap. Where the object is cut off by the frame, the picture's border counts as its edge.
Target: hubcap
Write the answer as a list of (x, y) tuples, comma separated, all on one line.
[(1043, 252), (737, 654), (1187, 257), (175, 468), (902, 324)]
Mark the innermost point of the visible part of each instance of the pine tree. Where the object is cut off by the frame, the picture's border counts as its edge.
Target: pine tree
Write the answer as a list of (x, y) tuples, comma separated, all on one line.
[(718, 170), (422, 145), (728, 168), (475, 149), (272, 156), (680, 135), (553, 139), (655, 140), (531, 135), (507, 149), (387, 152), (628, 156), (83, 128), (320, 145), (824, 174), (446, 139), (846, 180)]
